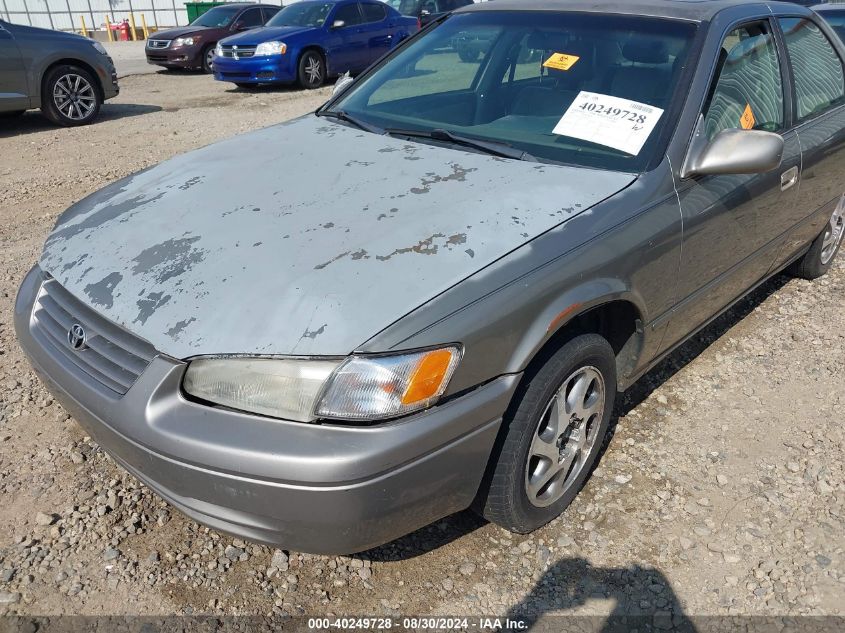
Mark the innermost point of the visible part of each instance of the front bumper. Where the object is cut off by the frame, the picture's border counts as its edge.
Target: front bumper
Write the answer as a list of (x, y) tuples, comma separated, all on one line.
[(255, 70), (315, 488), (181, 57)]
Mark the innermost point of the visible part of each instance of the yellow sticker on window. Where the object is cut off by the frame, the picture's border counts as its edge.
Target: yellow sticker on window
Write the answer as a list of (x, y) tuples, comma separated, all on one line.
[(747, 119), (561, 61)]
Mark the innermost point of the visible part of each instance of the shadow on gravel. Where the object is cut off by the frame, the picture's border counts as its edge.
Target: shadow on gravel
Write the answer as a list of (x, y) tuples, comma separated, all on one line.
[(426, 539), (641, 599), (34, 121), (690, 350)]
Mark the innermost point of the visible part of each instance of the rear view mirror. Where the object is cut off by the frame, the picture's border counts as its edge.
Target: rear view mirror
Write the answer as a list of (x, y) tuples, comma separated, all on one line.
[(338, 24), (734, 152)]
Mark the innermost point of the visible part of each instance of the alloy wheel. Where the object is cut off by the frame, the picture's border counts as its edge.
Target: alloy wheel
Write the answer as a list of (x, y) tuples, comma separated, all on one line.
[(209, 59), (314, 70), (565, 437), (74, 97), (833, 232)]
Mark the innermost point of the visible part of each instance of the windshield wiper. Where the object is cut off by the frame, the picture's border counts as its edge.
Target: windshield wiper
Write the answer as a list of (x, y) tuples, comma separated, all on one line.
[(341, 115), (488, 147)]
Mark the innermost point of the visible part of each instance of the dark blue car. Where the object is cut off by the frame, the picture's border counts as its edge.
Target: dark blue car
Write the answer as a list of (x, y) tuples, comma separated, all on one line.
[(311, 40)]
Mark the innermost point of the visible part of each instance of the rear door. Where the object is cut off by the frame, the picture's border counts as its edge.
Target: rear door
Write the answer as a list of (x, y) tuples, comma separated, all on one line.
[(819, 80), (733, 224), (14, 93)]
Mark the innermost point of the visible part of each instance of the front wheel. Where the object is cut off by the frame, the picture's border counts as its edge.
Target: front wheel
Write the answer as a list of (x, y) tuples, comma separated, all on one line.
[(312, 70), (552, 436), (208, 59), (70, 96), (819, 258)]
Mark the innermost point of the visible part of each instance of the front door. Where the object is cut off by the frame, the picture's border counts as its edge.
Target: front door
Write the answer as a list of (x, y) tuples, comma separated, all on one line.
[(378, 30), (13, 86), (731, 222), (348, 40)]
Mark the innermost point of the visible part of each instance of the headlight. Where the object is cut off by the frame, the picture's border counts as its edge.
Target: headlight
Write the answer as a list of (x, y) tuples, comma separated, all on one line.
[(218, 50), (270, 48), (280, 388), (99, 48), (185, 41), (358, 388)]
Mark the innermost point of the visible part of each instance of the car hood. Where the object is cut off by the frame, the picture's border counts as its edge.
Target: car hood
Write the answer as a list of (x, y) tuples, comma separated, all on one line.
[(254, 37), (21, 30), (305, 238), (172, 34)]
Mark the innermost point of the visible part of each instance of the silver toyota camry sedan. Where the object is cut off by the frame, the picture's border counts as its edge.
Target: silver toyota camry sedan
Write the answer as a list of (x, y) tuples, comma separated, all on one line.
[(426, 295)]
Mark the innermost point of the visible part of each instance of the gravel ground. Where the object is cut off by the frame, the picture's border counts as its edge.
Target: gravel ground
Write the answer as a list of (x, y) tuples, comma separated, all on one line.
[(722, 490)]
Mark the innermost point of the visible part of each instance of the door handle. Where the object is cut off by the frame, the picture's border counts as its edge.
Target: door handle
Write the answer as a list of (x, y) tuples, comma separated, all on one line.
[(788, 178)]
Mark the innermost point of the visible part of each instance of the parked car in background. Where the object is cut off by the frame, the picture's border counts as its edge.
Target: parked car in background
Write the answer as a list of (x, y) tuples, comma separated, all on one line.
[(192, 46), (311, 40), (68, 76), (427, 10), (426, 295), (834, 14)]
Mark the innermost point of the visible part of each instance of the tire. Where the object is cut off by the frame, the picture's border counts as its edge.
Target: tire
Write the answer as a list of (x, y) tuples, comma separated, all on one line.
[(207, 56), (515, 496), (312, 70), (70, 96), (818, 260)]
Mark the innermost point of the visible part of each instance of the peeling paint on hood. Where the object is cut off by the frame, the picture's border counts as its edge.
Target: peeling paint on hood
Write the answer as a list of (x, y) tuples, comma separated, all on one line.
[(304, 238)]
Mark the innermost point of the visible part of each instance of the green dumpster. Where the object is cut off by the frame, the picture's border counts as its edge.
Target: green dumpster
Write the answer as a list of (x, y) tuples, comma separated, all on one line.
[(196, 9)]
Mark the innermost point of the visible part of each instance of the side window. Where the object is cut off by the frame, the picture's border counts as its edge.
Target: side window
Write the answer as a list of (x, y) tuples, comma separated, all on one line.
[(269, 12), (817, 69), (373, 12), (747, 91), (251, 18), (349, 13)]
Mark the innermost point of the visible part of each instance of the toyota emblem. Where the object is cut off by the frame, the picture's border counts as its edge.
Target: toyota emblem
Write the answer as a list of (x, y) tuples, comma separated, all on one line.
[(76, 337)]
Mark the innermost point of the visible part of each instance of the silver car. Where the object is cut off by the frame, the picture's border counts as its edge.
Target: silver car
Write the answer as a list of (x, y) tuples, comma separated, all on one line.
[(426, 295)]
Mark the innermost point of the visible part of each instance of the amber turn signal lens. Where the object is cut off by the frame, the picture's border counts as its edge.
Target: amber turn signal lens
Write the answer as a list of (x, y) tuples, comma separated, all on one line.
[(428, 376)]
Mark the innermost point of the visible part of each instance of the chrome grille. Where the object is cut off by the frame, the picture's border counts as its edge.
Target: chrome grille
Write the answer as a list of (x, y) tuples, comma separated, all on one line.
[(158, 43), (237, 52), (111, 355)]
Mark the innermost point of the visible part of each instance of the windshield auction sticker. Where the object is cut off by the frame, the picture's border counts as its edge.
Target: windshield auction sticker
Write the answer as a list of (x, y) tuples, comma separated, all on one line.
[(561, 61), (610, 121)]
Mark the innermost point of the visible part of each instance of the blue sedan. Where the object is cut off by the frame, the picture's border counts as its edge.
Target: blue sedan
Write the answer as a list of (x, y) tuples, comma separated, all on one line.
[(311, 40)]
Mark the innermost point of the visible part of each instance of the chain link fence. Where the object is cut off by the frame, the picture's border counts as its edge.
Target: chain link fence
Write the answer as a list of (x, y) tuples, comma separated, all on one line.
[(67, 15)]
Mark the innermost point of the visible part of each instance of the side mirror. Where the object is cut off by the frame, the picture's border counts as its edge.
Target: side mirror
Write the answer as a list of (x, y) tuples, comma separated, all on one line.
[(342, 83), (734, 152), (338, 24), (239, 26)]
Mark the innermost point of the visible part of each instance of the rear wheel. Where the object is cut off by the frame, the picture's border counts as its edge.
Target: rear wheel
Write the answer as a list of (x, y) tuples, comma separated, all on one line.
[(553, 435), (467, 54), (71, 96), (312, 70), (208, 59), (819, 258)]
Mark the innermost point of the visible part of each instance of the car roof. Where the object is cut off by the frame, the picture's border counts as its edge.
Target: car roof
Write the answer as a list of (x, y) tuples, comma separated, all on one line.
[(828, 8), (693, 10)]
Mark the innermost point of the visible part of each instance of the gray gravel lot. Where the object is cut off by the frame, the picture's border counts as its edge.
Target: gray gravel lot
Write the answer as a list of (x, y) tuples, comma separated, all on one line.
[(722, 490)]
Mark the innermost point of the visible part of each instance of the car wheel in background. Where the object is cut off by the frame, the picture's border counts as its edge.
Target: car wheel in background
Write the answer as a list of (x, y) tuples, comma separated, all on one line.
[(818, 260), (551, 436), (207, 59), (467, 54), (70, 96), (312, 70)]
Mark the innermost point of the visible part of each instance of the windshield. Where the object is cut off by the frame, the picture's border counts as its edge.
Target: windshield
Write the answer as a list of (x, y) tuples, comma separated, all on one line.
[(302, 14), (216, 17), (579, 89)]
